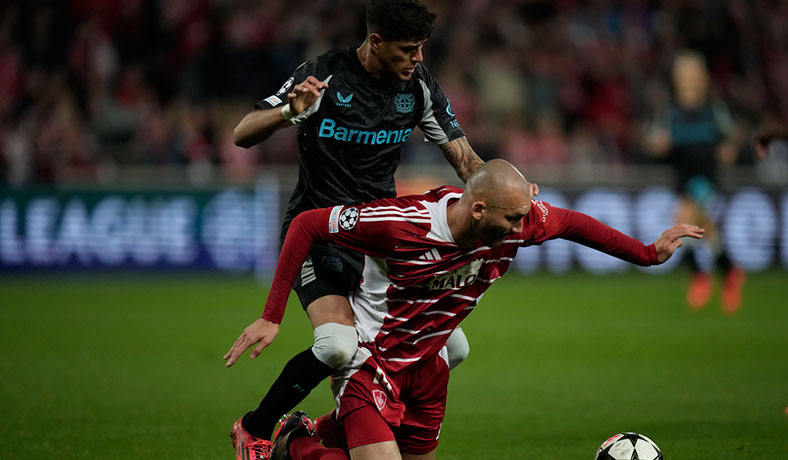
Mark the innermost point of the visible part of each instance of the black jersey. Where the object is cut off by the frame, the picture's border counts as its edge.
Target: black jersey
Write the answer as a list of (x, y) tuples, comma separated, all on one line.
[(695, 135), (350, 139)]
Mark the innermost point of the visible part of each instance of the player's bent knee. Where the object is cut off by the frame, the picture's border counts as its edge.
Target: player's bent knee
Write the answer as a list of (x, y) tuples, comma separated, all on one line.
[(335, 344), (458, 347)]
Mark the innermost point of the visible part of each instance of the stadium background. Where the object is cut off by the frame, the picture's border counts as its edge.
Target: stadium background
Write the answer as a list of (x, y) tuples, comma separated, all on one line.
[(130, 224)]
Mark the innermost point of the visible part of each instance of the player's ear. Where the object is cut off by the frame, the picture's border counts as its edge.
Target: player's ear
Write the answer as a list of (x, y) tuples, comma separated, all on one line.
[(477, 209), (374, 41)]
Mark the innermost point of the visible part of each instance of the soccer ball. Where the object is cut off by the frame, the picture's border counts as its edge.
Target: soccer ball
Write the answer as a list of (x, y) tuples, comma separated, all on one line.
[(628, 446)]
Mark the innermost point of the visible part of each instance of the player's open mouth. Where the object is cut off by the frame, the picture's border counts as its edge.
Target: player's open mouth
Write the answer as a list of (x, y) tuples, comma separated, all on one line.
[(408, 70)]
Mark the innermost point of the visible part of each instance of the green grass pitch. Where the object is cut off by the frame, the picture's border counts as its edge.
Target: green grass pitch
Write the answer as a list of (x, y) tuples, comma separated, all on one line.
[(129, 367)]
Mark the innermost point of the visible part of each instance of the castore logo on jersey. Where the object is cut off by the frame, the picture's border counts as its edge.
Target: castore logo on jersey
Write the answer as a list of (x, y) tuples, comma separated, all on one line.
[(343, 101)]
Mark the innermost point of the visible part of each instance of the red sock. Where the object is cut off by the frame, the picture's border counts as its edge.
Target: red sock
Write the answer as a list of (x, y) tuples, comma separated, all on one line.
[(308, 448)]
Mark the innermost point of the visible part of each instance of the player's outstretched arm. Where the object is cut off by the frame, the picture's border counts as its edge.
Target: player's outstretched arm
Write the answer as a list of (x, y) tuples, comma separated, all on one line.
[(308, 228), (258, 126), (305, 230), (261, 333), (670, 239), (302, 233)]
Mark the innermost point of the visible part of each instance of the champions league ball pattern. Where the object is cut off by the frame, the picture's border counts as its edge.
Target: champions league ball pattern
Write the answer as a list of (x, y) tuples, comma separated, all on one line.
[(628, 446), (348, 218)]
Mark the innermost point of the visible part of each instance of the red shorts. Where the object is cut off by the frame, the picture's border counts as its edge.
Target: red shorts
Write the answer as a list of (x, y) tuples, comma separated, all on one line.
[(406, 406)]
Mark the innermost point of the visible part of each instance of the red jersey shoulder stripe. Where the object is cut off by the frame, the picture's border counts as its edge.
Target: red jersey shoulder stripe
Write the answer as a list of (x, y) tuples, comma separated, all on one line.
[(420, 220), (406, 209)]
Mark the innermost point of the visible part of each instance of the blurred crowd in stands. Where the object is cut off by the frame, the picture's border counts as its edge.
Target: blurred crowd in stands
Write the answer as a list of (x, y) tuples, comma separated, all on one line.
[(92, 85)]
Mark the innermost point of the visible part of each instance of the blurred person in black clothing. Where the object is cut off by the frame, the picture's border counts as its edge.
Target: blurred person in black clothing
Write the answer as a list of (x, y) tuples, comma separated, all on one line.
[(697, 133)]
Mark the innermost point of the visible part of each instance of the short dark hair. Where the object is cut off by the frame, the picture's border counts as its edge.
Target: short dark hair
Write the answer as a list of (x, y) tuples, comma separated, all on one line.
[(398, 20)]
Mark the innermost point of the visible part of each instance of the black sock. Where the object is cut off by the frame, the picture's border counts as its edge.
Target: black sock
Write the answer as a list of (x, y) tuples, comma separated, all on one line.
[(299, 377), (692, 261), (724, 262)]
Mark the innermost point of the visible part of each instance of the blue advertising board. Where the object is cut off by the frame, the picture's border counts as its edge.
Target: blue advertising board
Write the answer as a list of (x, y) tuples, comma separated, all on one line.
[(233, 229), (237, 229)]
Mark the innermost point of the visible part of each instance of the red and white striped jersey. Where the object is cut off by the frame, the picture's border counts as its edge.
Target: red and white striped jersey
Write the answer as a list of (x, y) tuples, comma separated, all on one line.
[(417, 283)]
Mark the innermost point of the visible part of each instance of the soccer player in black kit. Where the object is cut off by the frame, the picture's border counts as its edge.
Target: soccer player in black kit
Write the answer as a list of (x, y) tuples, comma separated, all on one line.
[(354, 109)]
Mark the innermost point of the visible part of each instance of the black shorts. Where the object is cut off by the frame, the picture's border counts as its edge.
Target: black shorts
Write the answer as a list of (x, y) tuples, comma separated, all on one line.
[(329, 270)]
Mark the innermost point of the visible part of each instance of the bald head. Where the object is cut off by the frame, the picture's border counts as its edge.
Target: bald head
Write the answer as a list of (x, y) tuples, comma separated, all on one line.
[(495, 200), (497, 183)]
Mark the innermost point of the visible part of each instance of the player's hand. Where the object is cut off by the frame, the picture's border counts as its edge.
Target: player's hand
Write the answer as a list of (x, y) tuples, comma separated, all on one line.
[(305, 94), (670, 239), (261, 332)]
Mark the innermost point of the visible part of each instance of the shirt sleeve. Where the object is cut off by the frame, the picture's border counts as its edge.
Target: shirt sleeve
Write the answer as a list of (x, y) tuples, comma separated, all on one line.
[(438, 121), (340, 225), (546, 222)]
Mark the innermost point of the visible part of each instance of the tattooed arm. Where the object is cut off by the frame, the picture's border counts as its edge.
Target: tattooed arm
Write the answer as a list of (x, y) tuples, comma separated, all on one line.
[(460, 154)]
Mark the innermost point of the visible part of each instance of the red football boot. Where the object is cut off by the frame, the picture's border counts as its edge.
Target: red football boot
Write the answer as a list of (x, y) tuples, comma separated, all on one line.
[(731, 292), (699, 290), (248, 447)]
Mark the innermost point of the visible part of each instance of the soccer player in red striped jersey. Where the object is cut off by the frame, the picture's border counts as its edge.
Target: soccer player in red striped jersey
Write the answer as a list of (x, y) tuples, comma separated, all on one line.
[(429, 260)]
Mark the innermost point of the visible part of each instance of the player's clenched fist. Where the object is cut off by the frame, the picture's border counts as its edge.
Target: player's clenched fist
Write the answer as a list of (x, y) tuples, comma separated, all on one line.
[(305, 94)]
